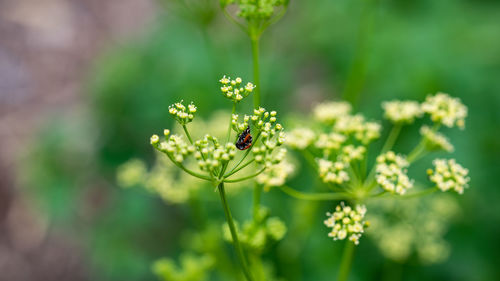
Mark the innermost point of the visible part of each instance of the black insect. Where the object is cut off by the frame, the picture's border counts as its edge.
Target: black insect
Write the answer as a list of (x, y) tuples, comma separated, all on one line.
[(244, 139)]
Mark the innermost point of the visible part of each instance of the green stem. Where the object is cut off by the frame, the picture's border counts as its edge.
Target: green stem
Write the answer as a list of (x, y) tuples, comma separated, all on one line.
[(194, 174), (345, 264), (234, 234), (383, 195), (417, 152), (247, 177), (239, 168), (256, 75), (230, 122), (314, 196), (391, 139), (187, 134)]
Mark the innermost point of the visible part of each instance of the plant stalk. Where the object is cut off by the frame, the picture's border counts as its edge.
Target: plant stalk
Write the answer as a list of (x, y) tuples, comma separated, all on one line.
[(234, 234), (346, 262), (256, 75)]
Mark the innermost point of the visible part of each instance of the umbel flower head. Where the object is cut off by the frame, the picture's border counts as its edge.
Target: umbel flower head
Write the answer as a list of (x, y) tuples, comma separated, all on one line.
[(445, 110), (391, 173), (300, 138), (333, 172), (402, 111), (235, 90), (174, 146), (435, 141), (449, 175), (346, 222), (358, 127), (329, 112), (211, 155), (259, 134), (181, 113), (276, 174)]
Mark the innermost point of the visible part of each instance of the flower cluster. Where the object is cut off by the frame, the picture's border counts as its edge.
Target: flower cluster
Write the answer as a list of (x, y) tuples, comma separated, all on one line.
[(448, 174), (351, 152), (276, 174), (399, 240), (235, 90), (391, 173), (402, 111), (211, 155), (330, 142), (174, 146), (182, 114), (255, 9), (300, 138), (329, 112), (358, 127), (435, 140), (333, 172), (270, 133), (445, 110), (163, 179), (346, 222)]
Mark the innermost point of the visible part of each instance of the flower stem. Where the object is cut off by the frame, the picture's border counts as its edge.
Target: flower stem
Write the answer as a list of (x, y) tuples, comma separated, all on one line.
[(417, 152), (256, 75), (345, 264), (230, 122), (391, 139), (246, 177), (187, 134), (239, 168), (234, 234), (314, 196)]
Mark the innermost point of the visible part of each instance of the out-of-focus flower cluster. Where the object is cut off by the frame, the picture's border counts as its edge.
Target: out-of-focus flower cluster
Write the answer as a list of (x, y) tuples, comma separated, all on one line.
[(163, 179), (435, 140), (346, 222), (402, 111), (259, 232), (235, 90), (333, 172), (400, 228), (255, 9), (276, 175), (329, 112), (357, 127), (445, 110), (391, 173), (449, 175), (337, 146)]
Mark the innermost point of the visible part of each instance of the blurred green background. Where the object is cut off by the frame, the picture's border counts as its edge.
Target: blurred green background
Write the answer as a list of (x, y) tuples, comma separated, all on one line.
[(367, 50)]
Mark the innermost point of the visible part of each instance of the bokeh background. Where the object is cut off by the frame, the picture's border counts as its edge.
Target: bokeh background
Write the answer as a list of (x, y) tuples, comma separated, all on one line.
[(84, 83)]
